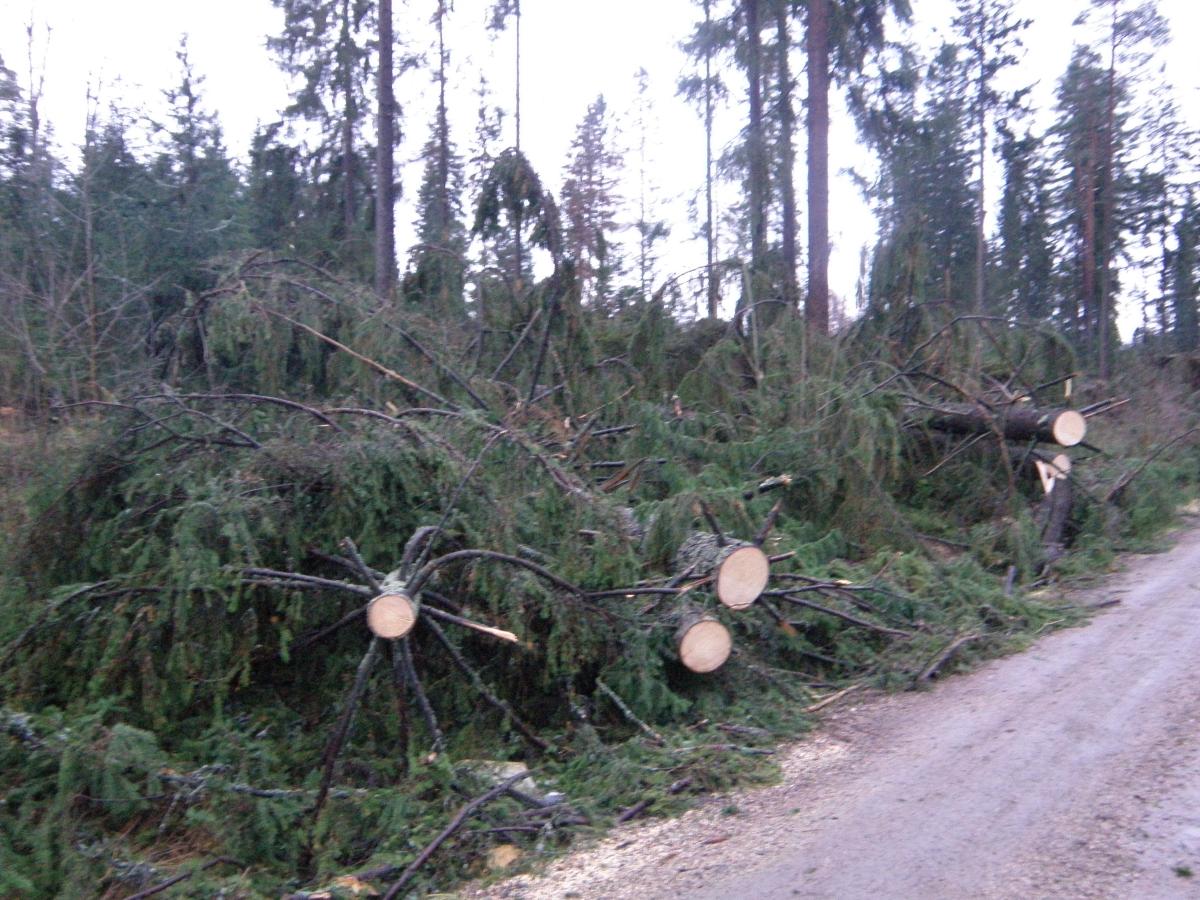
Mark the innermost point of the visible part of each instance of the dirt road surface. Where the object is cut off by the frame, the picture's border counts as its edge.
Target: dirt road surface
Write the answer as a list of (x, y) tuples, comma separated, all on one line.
[(1069, 770)]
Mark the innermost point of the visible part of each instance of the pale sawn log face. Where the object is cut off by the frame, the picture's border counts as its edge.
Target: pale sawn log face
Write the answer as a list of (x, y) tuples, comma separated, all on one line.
[(1069, 428), (740, 570), (391, 615), (704, 645), (742, 576)]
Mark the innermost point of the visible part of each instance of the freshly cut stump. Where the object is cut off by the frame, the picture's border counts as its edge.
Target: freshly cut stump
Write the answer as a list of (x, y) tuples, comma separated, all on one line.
[(704, 643), (392, 615), (739, 569)]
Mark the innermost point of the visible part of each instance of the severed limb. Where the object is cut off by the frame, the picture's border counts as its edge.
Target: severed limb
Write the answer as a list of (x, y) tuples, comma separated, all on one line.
[(477, 682)]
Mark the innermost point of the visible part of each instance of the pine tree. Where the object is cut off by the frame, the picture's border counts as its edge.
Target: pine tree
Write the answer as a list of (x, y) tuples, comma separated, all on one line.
[(650, 229), (705, 90), (992, 37), (757, 179), (1024, 270), (589, 206), (1127, 28), (785, 120), (839, 37), (1087, 147), (924, 198), (385, 179), (1185, 277)]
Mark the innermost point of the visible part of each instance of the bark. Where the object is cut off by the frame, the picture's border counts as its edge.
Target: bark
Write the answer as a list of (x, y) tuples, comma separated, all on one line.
[(980, 194), (1107, 209), (1065, 427), (756, 139), (816, 309), (385, 199), (1086, 185), (349, 117), (739, 569), (710, 236), (787, 162)]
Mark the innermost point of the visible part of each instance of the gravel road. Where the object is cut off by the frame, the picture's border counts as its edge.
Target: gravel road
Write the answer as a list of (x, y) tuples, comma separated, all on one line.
[(1069, 770)]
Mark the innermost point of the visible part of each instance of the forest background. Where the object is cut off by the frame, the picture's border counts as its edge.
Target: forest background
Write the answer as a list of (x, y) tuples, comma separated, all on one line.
[(601, 357)]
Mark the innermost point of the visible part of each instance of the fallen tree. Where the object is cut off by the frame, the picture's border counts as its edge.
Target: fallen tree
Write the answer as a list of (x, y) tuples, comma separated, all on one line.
[(1016, 422)]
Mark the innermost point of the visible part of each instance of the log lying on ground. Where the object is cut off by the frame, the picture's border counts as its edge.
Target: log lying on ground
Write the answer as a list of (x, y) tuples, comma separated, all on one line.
[(739, 569), (1065, 427), (703, 642)]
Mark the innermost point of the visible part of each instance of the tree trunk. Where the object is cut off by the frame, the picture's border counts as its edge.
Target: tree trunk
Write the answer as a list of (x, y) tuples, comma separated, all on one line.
[(1107, 210), (980, 194), (703, 642), (756, 141), (787, 161), (1086, 185), (385, 200), (739, 569), (1064, 427), (349, 116), (816, 308), (710, 236)]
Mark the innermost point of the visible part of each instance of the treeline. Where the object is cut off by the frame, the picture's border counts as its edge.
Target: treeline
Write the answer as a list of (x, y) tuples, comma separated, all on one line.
[(102, 257)]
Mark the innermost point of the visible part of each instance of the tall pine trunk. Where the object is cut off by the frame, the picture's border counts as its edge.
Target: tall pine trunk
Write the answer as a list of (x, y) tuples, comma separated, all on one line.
[(1107, 205), (981, 124), (757, 143), (518, 275), (787, 157), (349, 117), (710, 237), (816, 309), (385, 200)]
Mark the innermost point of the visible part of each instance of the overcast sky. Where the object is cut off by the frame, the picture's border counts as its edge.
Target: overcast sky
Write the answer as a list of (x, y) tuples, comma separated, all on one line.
[(573, 51)]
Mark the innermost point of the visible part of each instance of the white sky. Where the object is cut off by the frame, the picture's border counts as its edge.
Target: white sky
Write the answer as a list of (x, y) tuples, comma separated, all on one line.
[(573, 51)]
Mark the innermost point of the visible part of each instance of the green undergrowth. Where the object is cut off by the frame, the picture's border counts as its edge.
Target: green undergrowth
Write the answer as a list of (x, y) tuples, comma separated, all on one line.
[(167, 703)]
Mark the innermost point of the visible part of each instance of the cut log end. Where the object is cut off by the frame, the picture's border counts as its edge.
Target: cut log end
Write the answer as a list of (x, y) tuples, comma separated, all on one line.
[(1061, 466), (1069, 428), (704, 644), (392, 615), (742, 576)]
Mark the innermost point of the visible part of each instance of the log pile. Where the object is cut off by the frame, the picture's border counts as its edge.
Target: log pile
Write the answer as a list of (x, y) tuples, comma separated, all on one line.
[(739, 569), (703, 642)]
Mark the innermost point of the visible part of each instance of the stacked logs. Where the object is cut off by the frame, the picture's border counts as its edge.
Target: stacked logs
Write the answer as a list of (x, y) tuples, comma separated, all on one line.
[(738, 572), (1064, 427)]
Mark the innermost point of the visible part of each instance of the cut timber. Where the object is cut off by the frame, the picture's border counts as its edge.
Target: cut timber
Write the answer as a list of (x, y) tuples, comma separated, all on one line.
[(1053, 471), (1065, 427), (739, 569), (704, 643), (392, 615)]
